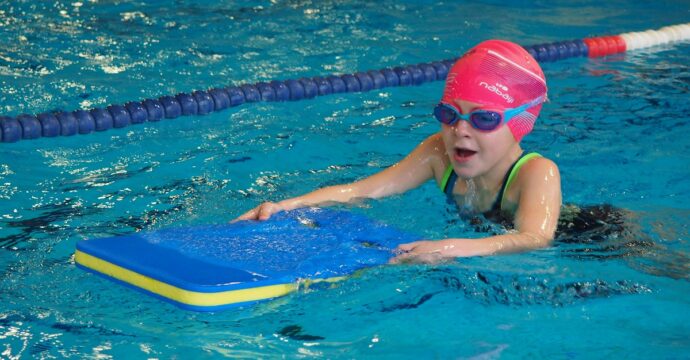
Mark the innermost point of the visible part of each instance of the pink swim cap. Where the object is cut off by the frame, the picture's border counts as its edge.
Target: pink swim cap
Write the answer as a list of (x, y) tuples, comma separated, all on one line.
[(502, 74)]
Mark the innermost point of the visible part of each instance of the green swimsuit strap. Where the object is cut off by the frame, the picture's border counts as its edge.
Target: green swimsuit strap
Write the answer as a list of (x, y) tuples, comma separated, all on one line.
[(514, 171), (446, 176)]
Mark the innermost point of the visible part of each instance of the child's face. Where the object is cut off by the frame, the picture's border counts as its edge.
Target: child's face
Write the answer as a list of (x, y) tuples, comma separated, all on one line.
[(474, 152)]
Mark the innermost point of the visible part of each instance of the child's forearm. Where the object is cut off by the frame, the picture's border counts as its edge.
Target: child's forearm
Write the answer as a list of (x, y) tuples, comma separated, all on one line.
[(499, 244), (324, 196)]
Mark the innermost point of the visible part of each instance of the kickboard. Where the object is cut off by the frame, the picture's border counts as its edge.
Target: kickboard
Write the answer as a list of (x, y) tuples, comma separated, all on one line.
[(213, 267)]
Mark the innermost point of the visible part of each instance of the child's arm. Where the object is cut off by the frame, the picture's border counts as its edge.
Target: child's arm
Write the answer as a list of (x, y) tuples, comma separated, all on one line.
[(536, 219), (413, 170)]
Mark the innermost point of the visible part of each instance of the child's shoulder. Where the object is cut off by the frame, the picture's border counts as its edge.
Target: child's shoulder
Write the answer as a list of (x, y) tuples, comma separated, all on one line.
[(432, 145), (536, 172), (434, 138), (537, 185), (433, 151), (540, 163)]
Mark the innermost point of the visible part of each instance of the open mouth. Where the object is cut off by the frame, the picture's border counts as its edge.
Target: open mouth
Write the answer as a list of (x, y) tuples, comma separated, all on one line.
[(463, 153)]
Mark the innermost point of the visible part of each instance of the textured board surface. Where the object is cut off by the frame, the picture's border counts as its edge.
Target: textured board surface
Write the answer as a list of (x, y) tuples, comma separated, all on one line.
[(209, 268)]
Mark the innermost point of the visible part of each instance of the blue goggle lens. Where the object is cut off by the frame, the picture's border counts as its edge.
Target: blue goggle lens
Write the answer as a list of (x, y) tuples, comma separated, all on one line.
[(481, 119), (445, 114), (485, 120)]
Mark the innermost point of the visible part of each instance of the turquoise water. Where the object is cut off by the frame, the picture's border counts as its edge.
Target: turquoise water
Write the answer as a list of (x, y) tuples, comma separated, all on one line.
[(618, 128)]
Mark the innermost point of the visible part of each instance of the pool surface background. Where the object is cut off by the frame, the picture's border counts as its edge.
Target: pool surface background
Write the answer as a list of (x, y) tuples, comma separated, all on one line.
[(617, 127)]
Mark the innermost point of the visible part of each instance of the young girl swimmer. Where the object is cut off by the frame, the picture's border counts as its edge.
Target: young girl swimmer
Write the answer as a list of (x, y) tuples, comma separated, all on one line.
[(492, 97)]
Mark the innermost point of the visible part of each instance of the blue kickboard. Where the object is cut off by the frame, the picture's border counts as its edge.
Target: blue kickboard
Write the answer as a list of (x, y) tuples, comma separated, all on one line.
[(208, 268)]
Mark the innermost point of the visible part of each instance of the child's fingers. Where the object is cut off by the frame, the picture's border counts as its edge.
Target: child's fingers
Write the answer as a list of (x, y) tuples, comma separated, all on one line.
[(261, 212), (249, 215), (266, 210), (402, 258), (408, 247), (404, 253), (416, 258)]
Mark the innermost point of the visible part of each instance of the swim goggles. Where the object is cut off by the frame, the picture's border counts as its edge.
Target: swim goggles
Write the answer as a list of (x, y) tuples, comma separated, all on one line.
[(483, 119)]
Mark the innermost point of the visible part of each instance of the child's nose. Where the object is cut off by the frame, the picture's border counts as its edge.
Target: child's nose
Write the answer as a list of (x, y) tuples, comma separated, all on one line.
[(462, 127)]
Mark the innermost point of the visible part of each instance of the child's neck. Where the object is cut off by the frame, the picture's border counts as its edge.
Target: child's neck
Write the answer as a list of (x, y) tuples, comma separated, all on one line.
[(487, 186)]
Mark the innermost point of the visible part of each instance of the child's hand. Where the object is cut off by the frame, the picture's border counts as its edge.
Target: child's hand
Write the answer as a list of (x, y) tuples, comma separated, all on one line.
[(261, 212), (429, 252)]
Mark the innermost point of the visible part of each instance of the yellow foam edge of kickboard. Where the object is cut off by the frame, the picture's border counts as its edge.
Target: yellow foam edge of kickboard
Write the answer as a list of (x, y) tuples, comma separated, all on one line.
[(188, 297)]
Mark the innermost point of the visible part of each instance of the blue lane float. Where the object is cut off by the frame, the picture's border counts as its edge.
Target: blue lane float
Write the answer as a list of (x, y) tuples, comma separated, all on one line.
[(210, 268), (67, 123)]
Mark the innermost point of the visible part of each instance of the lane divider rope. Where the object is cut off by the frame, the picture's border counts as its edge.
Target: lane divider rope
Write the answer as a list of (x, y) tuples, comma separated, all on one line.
[(68, 123)]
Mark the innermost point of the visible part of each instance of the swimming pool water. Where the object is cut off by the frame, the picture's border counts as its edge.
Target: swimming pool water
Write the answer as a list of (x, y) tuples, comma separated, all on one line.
[(618, 128)]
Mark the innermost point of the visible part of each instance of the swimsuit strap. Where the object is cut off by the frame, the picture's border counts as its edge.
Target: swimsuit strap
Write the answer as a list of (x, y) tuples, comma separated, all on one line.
[(450, 177), (510, 177), (448, 181)]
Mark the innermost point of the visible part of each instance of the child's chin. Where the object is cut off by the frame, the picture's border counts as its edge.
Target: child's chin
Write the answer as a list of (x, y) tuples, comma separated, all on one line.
[(466, 173)]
